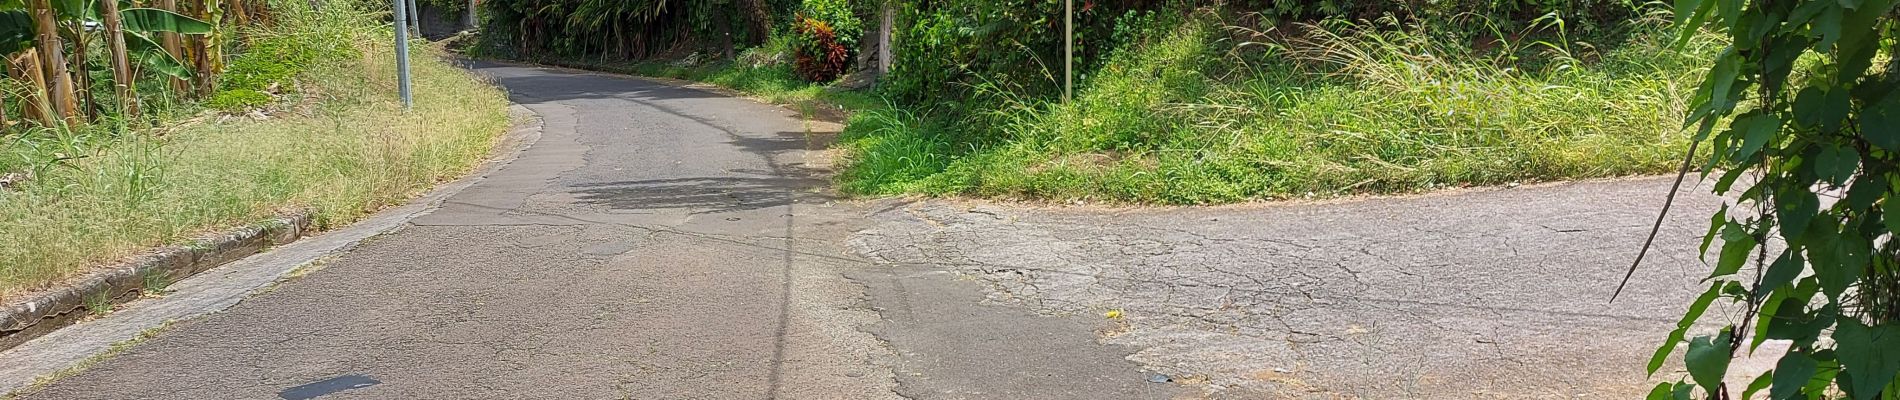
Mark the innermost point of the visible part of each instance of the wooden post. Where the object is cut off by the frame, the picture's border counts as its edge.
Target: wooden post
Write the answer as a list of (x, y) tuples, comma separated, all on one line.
[(122, 84), (53, 61)]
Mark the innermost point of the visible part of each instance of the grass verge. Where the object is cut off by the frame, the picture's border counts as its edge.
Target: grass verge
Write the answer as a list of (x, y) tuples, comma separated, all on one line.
[(347, 150), (1188, 116)]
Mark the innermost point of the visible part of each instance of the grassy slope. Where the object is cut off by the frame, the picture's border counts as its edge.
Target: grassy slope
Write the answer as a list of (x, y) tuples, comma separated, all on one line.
[(351, 153), (1180, 121)]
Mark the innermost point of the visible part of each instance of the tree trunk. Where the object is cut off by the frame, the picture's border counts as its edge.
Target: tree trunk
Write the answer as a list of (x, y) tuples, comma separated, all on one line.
[(208, 57), (886, 24), (80, 68), (760, 20), (53, 60), (122, 84), (27, 68), (169, 41)]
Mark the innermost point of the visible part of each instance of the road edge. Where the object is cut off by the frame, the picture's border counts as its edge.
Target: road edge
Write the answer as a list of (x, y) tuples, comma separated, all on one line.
[(39, 361)]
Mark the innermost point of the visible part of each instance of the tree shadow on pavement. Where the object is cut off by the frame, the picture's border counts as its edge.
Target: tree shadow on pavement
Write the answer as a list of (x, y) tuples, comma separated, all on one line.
[(704, 194)]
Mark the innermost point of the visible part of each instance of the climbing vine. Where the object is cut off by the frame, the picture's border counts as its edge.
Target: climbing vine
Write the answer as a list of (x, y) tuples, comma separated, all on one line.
[(1803, 130)]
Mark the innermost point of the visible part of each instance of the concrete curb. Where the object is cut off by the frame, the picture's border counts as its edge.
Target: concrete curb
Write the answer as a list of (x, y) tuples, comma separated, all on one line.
[(55, 309), (30, 363)]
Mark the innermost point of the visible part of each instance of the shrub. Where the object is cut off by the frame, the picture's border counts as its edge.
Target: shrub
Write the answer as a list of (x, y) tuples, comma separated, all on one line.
[(828, 33), (238, 100), (821, 58)]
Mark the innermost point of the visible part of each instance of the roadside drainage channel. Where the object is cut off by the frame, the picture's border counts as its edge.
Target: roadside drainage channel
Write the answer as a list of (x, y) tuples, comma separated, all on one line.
[(44, 313)]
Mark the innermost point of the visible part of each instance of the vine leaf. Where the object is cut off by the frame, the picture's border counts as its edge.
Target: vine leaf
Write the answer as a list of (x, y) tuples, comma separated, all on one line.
[(1791, 374), (1871, 355), (1880, 123), (1760, 382), (1756, 130), (1836, 163), (1707, 360), (1737, 246), (1682, 327)]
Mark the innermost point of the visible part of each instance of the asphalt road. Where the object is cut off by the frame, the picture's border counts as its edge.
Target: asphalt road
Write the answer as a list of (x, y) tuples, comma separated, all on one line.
[(656, 243), (1489, 293)]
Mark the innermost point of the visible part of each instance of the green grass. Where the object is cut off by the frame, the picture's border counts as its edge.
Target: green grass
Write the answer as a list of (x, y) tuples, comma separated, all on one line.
[(1184, 118), (349, 152)]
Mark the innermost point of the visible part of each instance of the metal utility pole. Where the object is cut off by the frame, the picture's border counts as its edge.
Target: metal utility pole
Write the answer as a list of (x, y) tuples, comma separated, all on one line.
[(468, 18), (415, 17), (402, 55), (1068, 50)]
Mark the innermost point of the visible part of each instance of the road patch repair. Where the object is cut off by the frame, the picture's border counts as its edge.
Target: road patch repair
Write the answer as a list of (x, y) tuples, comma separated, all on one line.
[(1499, 293)]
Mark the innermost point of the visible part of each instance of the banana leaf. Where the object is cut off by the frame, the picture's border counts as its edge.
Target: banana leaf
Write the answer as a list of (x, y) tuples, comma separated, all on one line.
[(16, 31), (153, 55), (156, 20)]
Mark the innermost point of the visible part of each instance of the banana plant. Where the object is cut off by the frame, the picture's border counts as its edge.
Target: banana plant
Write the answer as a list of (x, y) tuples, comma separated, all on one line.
[(128, 30)]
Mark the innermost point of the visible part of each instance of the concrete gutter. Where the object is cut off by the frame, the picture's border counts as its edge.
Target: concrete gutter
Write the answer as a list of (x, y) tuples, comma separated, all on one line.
[(46, 312), (203, 290)]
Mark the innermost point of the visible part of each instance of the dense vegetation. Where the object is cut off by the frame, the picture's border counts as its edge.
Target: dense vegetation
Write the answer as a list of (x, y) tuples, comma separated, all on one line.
[(310, 122), (1803, 100), (1198, 102)]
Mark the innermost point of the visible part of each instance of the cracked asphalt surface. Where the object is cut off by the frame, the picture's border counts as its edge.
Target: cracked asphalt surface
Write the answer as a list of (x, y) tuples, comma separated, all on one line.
[(655, 242), (1474, 294)]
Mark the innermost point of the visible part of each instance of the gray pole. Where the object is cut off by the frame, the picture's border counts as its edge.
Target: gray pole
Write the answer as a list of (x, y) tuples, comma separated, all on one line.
[(1068, 50), (402, 55), (415, 17), (468, 18)]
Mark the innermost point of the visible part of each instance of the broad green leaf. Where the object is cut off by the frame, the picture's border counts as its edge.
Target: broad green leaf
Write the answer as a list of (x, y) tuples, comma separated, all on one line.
[(152, 55), (1737, 247), (1809, 103), (1880, 123), (1828, 24), (1794, 207), (156, 20), (1729, 11), (1838, 263), (1865, 190), (1755, 131), (1792, 372), (1716, 223), (1782, 271), (1707, 360), (16, 31), (1700, 305), (1769, 308), (1760, 382), (1836, 163), (1890, 213), (1661, 392), (1870, 354)]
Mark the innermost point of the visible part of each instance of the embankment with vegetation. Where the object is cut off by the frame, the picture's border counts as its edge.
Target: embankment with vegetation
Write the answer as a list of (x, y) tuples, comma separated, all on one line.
[(302, 115), (1179, 102)]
